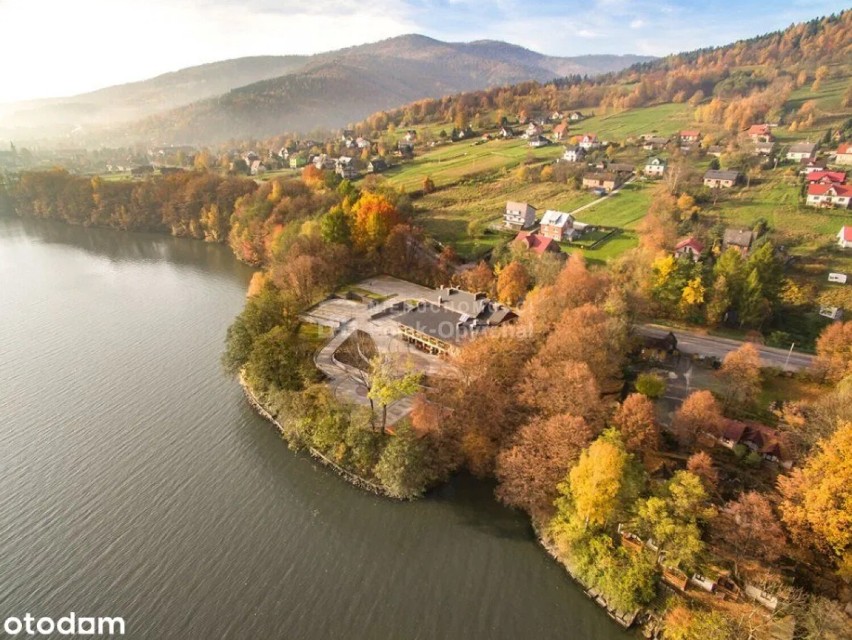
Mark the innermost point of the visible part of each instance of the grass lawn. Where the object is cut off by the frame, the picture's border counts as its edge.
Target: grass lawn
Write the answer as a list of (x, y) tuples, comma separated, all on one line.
[(625, 208), (664, 119)]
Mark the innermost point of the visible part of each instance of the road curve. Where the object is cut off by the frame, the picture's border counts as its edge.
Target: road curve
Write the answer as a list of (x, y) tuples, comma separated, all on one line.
[(714, 346)]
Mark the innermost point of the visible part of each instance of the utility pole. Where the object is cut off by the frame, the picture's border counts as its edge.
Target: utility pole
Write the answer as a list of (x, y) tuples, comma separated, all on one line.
[(789, 353)]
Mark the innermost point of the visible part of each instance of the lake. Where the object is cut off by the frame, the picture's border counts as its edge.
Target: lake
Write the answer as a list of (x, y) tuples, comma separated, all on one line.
[(135, 481)]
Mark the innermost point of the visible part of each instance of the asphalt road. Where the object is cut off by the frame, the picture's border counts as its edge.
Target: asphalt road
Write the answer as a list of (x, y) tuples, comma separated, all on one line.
[(699, 344)]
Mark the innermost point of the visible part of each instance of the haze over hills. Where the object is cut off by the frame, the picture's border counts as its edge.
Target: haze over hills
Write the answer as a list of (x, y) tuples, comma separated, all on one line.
[(263, 96)]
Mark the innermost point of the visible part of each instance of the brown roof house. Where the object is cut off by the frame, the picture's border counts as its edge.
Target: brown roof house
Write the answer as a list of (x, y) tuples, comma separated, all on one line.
[(607, 181), (721, 179), (740, 239)]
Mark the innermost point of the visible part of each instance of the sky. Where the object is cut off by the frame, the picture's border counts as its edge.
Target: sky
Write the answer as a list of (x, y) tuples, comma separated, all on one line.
[(65, 47)]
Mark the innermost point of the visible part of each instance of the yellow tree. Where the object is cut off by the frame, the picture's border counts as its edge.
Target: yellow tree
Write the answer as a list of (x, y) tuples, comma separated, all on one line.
[(834, 351), (595, 483), (512, 283)]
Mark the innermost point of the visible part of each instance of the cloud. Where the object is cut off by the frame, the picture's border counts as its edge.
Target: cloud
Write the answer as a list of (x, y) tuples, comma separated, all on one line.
[(637, 23)]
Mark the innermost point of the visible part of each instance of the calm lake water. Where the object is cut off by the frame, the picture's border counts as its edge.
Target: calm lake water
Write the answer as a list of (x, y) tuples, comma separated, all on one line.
[(136, 482)]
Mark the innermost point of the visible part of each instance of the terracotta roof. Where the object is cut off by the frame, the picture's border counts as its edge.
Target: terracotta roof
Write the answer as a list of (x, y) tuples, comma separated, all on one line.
[(822, 189), (831, 176), (759, 130), (846, 147), (690, 242), (690, 133), (846, 233), (733, 430), (561, 128), (536, 243)]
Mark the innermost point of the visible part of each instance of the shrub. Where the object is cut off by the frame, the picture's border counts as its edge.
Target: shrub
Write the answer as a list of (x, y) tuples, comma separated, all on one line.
[(650, 385)]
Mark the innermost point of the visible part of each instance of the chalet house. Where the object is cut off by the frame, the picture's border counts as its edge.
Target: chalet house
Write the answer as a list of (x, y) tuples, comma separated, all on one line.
[(715, 150), (536, 243), (589, 142), (802, 151), (826, 177), (574, 154), (322, 161), (763, 148), (721, 179), (809, 166), (655, 143), (447, 317), (576, 116), (759, 133), (556, 225), (844, 237), (843, 155), (507, 132), (829, 195), (757, 437), (377, 165), (689, 247), (654, 167), (519, 215), (560, 131), (607, 181), (539, 141), (532, 131), (689, 136), (740, 239)]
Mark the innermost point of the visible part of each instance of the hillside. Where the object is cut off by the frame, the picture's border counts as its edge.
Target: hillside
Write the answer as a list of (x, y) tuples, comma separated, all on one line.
[(257, 97)]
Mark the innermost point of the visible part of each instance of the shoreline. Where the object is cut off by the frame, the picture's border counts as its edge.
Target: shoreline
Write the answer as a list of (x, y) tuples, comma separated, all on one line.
[(625, 621), (353, 479)]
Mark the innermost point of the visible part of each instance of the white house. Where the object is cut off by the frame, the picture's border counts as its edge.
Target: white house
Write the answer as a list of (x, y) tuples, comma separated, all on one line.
[(655, 167), (519, 215), (574, 154), (589, 142), (829, 195), (844, 237), (844, 154), (802, 151), (556, 225)]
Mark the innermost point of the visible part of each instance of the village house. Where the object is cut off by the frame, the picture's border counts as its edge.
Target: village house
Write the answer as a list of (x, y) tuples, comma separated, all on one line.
[(829, 195), (556, 225), (323, 161), (539, 141), (689, 136), (573, 154), (655, 143), (844, 237), (347, 134), (405, 148), (507, 132), (410, 135), (532, 131), (345, 168), (763, 148), (689, 247), (560, 131), (363, 143), (809, 166), (826, 177), (715, 150), (536, 243), (721, 179), (757, 437), (257, 168), (519, 215), (740, 239), (619, 167), (608, 181), (843, 155), (654, 167), (297, 161), (802, 151), (759, 133), (448, 316), (589, 142), (556, 116), (377, 165), (576, 116)]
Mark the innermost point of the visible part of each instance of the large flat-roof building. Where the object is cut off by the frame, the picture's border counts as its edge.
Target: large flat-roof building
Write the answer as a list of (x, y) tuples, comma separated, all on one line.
[(448, 316)]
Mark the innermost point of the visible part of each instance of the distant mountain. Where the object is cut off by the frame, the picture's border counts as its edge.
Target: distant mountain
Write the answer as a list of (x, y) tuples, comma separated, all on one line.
[(259, 97)]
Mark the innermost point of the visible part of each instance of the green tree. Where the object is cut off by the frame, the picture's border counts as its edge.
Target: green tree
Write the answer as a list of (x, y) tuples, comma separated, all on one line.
[(275, 361), (404, 466), (390, 382), (650, 385), (335, 227)]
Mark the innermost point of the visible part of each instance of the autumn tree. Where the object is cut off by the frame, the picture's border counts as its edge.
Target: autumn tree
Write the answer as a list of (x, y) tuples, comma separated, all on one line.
[(537, 459), (478, 279), (673, 519), (636, 420), (699, 413), (740, 376), (701, 464), (391, 381), (817, 498), (749, 528), (373, 217), (405, 466), (834, 351), (558, 387), (574, 287), (512, 283)]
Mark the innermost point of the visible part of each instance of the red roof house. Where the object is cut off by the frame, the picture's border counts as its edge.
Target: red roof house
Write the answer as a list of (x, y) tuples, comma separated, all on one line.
[(827, 177), (536, 243), (689, 247)]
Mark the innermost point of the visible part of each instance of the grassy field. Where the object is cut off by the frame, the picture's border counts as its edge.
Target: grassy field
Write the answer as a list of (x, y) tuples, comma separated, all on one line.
[(664, 120)]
